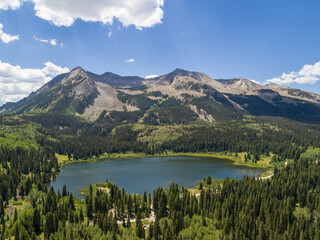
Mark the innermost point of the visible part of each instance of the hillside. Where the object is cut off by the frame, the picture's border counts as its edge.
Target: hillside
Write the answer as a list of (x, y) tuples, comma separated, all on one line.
[(169, 98)]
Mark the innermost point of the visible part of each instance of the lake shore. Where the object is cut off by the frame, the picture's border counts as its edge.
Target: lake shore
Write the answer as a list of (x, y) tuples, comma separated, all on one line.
[(189, 173), (63, 160)]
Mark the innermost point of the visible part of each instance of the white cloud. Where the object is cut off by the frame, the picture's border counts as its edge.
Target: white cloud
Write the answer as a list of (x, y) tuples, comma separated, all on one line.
[(53, 70), (151, 76), (40, 39), (10, 4), (52, 42), (109, 33), (17, 82), (140, 13), (310, 70), (131, 60), (7, 38), (254, 81), (309, 74)]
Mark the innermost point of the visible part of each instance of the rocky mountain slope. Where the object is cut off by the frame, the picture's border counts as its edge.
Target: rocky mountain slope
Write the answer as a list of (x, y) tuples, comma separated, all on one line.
[(171, 98)]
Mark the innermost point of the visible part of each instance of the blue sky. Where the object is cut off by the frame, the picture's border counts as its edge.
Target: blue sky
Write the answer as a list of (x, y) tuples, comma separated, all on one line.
[(258, 40)]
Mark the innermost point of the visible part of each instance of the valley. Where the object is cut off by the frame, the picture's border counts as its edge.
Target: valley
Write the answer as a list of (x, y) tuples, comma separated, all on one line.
[(247, 156), (159, 120)]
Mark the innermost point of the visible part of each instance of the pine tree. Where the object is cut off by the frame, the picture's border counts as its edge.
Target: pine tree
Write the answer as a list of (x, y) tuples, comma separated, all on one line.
[(3, 225), (150, 232), (204, 222), (64, 190), (209, 180), (139, 227), (156, 229), (71, 202), (89, 208), (49, 225), (123, 222), (71, 215), (1, 208), (16, 232), (76, 218), (36, 221), (81, 215), (15, 217)]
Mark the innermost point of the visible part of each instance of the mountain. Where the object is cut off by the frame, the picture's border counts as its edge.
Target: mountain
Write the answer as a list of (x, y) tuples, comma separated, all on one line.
[(241, 84), (7, 106), (294, 93), (168, 78), (177, 97), (115, 80), (68, 93)]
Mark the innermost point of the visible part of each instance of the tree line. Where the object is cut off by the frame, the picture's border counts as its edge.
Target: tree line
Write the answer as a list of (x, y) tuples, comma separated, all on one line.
[(287, 206)]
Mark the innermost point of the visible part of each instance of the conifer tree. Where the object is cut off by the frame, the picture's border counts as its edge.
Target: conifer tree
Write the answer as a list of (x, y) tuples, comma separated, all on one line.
[(36, 221)]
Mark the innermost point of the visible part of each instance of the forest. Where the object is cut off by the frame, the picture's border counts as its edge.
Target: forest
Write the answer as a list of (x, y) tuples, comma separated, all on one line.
[(285, 206), (68, 135)]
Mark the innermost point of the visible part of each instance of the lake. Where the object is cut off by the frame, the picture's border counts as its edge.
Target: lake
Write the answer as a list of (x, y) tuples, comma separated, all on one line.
[(147, 173)]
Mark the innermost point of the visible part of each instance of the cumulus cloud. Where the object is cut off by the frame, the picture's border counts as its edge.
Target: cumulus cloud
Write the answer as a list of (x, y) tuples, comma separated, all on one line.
[(309, 74), (140, 13), (131, 60), (7, 38), (52, 42), (257, 82), (17, 82), (151, 76), (10, 4)]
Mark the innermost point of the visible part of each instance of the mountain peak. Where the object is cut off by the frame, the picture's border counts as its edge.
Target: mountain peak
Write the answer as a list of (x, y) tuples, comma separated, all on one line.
[(180, 70), (116, 80), (78, 68), (244, 79), (240, 83), (273, 85), (109, 74), (76, 76)]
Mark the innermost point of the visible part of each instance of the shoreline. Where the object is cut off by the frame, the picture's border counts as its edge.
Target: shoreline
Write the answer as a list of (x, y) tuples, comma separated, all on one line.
[(266, 174), (107, 157)]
